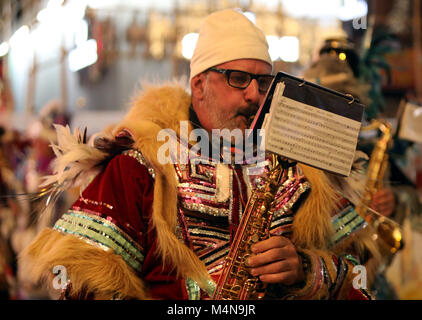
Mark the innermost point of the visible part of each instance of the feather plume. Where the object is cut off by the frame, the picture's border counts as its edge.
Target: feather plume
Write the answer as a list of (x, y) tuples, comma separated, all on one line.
[(75, 162)]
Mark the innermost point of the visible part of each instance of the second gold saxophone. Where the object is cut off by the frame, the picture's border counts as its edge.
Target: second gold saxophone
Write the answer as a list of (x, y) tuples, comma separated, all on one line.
[(387, 230)]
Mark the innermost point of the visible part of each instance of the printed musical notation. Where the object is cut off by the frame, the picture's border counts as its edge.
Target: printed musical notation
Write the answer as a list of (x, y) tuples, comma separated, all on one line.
[(310, 135)]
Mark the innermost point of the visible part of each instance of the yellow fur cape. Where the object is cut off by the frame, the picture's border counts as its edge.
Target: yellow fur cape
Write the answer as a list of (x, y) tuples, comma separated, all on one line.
[(156, 108)]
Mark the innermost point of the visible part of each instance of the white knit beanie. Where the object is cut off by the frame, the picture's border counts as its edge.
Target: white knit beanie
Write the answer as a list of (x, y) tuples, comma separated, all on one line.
[(225, 36)]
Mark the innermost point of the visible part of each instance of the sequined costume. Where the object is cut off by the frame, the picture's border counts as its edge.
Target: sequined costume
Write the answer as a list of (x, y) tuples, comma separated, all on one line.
[(142, 229)]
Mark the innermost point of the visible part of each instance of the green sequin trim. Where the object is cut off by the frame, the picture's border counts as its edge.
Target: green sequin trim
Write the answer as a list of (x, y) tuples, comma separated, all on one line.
[(348, 222), (194, 291), (352, 259), (102, 232)]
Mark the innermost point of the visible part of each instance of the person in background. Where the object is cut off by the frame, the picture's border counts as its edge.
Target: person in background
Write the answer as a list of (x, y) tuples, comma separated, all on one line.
[(12, 147), (36, 164), (338, 67)]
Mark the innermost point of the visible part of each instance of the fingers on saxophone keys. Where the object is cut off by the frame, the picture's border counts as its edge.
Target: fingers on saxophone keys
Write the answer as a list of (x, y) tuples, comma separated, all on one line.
[(262, 259), (285, 278), (270, 243), (250, 260), (269, 269)]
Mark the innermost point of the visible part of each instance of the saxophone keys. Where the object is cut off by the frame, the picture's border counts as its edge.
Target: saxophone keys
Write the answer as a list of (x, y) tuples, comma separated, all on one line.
[(233, 289), (245, 259), (242, 275), (255, 238)]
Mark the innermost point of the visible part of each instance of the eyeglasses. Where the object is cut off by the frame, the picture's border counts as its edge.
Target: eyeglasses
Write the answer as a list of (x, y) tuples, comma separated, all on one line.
[(242, 79)]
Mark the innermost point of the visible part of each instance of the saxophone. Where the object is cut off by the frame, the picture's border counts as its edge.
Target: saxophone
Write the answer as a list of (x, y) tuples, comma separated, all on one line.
[(235, 282), (386, 229)]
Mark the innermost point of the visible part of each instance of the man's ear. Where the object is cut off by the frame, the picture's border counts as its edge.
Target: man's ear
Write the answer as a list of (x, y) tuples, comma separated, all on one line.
[(197, 85)]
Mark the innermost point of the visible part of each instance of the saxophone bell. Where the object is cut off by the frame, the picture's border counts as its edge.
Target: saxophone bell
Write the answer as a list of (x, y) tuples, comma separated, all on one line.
[(388, 231)]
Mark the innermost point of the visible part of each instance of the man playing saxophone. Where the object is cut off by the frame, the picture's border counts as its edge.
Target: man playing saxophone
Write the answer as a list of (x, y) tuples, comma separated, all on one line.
[(143, 229)]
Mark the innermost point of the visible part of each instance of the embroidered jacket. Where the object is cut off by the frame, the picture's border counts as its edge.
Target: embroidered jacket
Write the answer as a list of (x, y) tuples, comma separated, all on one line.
[(142, 229)]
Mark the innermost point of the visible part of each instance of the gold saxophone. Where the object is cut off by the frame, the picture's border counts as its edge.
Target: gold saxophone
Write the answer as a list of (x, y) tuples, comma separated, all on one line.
[(387, 230), (235, 282)]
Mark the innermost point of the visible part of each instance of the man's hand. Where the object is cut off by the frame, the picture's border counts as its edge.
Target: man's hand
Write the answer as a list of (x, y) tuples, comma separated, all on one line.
[(275, 260), (384, 202)]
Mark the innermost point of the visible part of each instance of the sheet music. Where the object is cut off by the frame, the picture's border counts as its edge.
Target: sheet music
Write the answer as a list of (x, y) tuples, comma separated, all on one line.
[(310, 135)]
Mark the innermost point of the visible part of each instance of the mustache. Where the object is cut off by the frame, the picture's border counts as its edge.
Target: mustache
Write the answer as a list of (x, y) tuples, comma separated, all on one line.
[(248, 112)]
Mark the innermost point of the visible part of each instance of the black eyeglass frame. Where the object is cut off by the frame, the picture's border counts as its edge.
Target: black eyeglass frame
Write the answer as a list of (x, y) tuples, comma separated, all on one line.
[(252, 76)]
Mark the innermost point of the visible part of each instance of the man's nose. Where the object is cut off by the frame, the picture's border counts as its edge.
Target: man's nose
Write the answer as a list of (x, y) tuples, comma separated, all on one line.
[(252, 94)]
